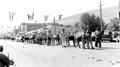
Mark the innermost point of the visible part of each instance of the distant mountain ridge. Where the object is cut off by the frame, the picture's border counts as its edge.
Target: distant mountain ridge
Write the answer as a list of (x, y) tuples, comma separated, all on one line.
[(107, 14)]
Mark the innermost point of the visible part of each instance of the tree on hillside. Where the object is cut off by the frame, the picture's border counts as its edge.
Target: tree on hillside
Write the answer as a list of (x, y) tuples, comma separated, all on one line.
[(114, 24), (105, 26), (92, 21), (77, 25), (69, 25)]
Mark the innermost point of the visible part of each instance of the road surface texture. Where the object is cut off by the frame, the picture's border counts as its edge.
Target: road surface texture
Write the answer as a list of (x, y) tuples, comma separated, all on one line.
[(33, 55)]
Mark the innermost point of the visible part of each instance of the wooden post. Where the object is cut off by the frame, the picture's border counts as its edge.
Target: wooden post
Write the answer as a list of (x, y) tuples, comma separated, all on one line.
[(54, 26), (119, 9), (101, 14)]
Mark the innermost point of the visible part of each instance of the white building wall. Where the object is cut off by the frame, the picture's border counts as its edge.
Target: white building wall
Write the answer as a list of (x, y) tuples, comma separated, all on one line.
[(24, 28)]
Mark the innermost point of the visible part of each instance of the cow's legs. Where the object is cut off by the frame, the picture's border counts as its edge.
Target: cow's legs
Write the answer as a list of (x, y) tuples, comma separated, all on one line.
[(83, 42), (91, 44)]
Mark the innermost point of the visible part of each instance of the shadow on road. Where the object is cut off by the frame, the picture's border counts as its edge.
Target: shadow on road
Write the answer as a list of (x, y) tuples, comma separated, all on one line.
[(105, 48)]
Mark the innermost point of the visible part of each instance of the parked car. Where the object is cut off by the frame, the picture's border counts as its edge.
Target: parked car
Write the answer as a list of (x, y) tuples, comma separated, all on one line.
[(107, 36)]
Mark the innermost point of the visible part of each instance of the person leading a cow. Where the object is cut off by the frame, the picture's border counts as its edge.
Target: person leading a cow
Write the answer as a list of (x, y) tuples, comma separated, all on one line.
[(98, 38)]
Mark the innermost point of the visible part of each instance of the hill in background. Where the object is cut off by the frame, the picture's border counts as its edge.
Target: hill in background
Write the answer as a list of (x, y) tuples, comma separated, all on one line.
[(107, 13)]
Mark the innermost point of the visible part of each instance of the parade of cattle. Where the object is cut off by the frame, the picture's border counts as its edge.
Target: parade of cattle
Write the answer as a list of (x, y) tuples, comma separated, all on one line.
[(79, 39)]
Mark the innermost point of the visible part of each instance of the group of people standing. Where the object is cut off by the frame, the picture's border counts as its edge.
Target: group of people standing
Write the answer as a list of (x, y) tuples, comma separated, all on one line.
[(63, 38), (87, 38)]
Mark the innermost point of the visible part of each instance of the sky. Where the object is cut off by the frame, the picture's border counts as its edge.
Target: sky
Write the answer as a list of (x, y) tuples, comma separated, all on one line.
[(46, 7)]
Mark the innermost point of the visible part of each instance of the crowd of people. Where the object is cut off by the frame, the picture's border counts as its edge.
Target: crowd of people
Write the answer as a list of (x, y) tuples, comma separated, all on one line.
[(81, 40), (61, 38)]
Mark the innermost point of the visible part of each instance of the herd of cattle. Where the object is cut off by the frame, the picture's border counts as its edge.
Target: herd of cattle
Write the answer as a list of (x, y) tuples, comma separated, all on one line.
[(61, 38), (50, 39)]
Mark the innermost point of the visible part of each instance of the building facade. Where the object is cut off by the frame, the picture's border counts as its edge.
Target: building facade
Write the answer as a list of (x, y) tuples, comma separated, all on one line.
[(27, 27)]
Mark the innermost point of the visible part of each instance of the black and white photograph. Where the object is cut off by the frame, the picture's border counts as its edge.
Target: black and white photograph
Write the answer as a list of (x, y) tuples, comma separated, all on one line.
[(59, 33)]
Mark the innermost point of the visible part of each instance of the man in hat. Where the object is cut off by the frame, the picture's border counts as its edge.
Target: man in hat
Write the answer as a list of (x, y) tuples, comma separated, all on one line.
[(97, 38), (89, 38), (49, 38), (63, 37)]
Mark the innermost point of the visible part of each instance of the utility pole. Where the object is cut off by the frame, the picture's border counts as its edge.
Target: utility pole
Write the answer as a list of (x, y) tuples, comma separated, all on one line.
[(59, 18), (54, 26), (101, 15), (46, 18), (119, 9)]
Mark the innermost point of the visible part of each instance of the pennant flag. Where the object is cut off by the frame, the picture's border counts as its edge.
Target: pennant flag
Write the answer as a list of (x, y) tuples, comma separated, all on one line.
[(60, 16), (11, 15), (46, 17), (30, 17)]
